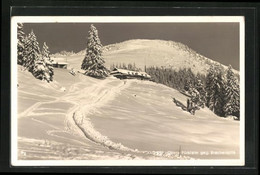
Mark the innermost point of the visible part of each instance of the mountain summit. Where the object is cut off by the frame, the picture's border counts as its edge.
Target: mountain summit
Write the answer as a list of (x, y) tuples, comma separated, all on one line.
[(156, 53)]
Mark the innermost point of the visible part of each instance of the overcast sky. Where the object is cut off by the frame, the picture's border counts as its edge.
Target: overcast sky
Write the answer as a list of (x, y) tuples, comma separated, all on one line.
[(217, 41)]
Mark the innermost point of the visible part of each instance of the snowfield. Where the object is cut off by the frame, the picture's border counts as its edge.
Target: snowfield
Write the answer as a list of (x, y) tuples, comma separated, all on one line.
[(82, 118)]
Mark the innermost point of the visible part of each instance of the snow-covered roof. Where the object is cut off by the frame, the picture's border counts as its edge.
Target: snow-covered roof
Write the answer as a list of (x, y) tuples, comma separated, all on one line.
[(129, 72), (125, 71), (144, 73)]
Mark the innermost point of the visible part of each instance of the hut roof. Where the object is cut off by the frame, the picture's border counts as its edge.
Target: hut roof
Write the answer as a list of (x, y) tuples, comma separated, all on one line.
[(129, 72)]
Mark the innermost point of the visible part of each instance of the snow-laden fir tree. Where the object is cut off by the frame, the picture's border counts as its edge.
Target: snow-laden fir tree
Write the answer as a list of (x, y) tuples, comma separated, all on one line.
[(39, 70), (48, 63), (187, 85), (210, 97), (215, 88), (31, 51), (20, 44), (219, 91), (232, 96), (195, 96), (93, 63), (201, 91), (42, 69)]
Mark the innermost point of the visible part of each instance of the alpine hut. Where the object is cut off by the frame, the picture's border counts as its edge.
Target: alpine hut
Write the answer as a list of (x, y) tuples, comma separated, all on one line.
[(128, 74)]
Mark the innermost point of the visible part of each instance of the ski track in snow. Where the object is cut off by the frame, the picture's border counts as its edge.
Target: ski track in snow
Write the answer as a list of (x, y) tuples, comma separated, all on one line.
[(30, 113), (80, 118), (85, 102), (91, 102)]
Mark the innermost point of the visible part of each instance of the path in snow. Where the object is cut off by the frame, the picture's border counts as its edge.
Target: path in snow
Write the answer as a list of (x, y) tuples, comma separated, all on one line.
[(39, 115), (100, 96)]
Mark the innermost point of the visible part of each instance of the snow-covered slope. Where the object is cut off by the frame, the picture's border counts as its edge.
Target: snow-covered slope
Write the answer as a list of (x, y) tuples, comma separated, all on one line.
[(114, 120)]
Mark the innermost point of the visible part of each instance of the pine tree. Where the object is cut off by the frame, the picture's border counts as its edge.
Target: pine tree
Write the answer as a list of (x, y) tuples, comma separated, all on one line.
[(219, 91), (232, 100), (39, 70), (195, 96), (20, 44), (32, 51), (215, 90), (210, 96), (93, 62), (201, 91), (187, 84), (48, 63)]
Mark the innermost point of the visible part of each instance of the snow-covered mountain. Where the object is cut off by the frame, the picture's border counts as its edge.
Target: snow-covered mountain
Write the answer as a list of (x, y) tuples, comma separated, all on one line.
[(157, 53), (150, 53)]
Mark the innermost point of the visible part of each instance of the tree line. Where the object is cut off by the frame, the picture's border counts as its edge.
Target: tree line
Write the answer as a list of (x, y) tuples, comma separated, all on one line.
[(29, 55), (218, 89), (128, 66)]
